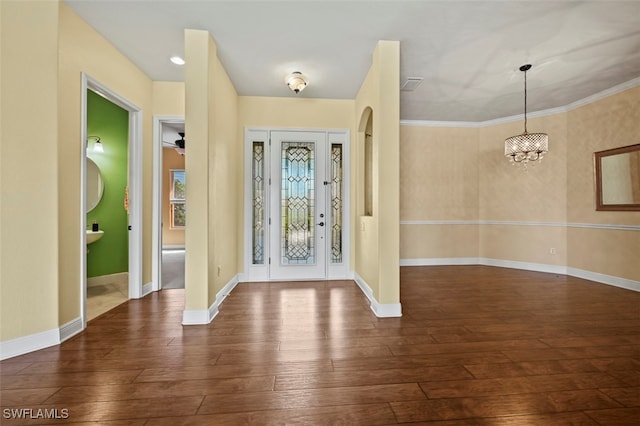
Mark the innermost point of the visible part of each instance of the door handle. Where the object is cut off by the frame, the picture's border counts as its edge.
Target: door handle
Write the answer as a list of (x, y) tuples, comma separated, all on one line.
[(321, 224)]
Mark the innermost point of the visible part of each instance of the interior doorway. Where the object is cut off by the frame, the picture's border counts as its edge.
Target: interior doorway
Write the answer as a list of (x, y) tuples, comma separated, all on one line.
[(169, 206), (130, 193), (297, 198)]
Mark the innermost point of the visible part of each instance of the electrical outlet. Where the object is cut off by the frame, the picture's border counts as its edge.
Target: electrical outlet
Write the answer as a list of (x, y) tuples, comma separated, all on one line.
[(552, 250)]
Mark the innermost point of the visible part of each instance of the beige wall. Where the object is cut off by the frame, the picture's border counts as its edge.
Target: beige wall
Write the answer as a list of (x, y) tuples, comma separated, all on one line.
[(608, 123), (29, 232), (212, 162), (82, 49), (505, 213), (168, 98), (439, 183), (377, 237), (170, 160)]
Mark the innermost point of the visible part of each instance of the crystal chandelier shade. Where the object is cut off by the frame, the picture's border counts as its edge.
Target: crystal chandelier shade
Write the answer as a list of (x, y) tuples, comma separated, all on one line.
[(526, 147)]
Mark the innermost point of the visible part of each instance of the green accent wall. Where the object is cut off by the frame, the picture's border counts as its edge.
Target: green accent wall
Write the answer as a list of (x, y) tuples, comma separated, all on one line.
[(110, 254)]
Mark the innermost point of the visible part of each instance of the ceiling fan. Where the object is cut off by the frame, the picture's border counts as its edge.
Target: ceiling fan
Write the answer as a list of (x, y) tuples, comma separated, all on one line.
[(180, 142)]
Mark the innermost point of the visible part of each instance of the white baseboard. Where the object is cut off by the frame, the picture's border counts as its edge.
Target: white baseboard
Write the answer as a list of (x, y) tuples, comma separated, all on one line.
[(200, 317), (605, 279), (70, 329), (30, 343), (538, 267), (527, 266), (440, 261), (146, 289), (121, 277), (381, 310)]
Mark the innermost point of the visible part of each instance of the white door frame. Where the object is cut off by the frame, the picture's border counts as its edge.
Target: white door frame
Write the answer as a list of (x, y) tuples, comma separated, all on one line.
[(156, 242), (135, 190), (261, 272)]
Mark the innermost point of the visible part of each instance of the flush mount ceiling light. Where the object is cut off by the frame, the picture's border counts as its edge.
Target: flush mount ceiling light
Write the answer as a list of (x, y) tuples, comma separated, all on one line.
[(526, 147), (296, 81), (177, 60)]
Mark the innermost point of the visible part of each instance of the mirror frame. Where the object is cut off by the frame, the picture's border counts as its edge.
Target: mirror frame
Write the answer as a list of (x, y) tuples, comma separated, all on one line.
[(89, 208), (597, 159)]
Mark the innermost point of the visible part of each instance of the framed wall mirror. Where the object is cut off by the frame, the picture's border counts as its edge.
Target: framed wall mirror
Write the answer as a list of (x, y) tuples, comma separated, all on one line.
[(95, 185), (617, 173)]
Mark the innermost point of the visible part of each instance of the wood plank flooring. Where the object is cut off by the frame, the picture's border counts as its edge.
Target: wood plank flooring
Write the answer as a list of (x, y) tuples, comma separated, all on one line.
[(476, 345)]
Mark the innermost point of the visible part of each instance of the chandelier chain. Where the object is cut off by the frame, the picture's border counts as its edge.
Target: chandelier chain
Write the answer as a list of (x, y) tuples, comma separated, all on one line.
[(525, 101)]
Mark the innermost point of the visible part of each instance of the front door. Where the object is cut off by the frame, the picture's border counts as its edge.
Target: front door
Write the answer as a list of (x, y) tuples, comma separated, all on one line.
[(297, 205), (297, 240)]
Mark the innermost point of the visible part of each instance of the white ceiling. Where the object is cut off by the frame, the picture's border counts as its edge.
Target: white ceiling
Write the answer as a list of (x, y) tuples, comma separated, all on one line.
[(467, 52)]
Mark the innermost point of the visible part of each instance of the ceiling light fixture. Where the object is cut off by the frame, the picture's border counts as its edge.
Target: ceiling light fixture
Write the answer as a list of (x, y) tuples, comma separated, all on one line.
[(177, 60), (526, 147), (296, 81)]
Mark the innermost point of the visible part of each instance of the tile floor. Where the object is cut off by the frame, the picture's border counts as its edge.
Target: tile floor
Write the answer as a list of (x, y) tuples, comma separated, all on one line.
[(102, 298)]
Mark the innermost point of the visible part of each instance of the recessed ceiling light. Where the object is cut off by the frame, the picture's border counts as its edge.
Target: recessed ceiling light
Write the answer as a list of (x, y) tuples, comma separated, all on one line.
[(177, 60)]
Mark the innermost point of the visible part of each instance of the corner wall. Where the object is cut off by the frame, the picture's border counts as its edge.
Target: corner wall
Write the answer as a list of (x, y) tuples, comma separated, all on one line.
[(211, 159), (377, 238)]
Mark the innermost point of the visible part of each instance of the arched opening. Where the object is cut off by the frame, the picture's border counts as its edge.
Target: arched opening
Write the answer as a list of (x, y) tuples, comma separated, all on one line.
[(366, 127)]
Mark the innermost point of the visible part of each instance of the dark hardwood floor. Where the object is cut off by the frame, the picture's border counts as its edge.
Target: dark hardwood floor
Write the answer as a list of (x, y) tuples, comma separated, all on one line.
[(476, 345)]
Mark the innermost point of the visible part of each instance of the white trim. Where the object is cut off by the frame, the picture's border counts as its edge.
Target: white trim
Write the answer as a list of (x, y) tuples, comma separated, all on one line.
[(70, 329), (146, 289), (135, 204), (528, 266), (156, 215), (604, 226), (381, 310), (30, 343), (522, 223), (543, 113), (107, 279), (605, 279), (386, 310), (440, 261), (201, 317), (134, 182), (439, 222)]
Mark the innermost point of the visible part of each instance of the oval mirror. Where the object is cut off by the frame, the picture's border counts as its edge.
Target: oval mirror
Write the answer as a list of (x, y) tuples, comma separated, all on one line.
[(95, 185)]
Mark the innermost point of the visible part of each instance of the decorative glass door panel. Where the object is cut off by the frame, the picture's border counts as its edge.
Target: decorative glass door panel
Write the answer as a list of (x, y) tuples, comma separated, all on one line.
[(297, 205)]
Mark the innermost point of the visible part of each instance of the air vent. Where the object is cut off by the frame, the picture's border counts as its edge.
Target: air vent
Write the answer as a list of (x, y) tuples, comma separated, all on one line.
[(411, 83)]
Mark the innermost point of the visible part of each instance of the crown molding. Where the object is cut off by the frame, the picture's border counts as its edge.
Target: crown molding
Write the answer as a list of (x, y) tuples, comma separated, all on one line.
[(543, 113)]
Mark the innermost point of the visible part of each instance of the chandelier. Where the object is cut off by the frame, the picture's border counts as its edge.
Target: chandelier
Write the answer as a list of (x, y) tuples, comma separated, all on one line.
[(526, 147)]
